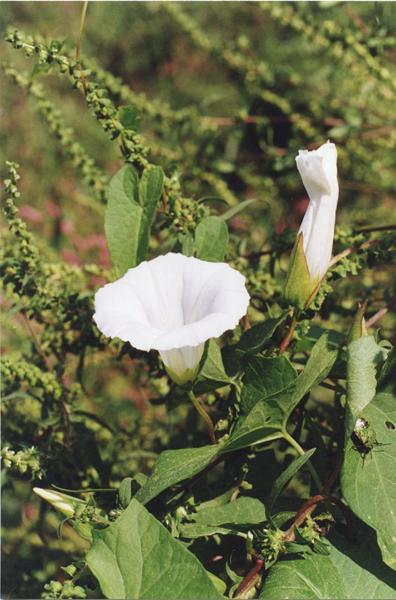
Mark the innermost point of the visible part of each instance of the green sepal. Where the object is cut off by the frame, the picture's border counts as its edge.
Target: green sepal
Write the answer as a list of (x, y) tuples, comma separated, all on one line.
[(188, 375), (300, 288)]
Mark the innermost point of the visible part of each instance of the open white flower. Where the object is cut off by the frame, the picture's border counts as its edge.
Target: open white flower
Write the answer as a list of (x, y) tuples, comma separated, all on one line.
[(172, 304), (318, 170)]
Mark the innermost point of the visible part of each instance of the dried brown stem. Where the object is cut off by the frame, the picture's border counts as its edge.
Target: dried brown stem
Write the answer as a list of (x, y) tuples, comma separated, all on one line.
[(378, 315), (377, 228), (349, 251)]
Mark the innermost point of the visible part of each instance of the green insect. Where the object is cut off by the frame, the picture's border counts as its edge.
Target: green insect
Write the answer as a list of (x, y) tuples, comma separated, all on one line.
[(364, 438)]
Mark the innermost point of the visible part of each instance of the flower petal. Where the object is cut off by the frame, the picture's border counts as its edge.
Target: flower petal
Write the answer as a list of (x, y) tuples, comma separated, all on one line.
[(318, 170), (172, 301), (119, 313)]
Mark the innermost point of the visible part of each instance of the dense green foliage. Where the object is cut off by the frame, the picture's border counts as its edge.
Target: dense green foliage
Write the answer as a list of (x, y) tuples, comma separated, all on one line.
[(176, 128)]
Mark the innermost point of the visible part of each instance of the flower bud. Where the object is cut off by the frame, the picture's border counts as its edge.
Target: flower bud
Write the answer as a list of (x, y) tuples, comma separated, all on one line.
[(62, 502), (312, 251)]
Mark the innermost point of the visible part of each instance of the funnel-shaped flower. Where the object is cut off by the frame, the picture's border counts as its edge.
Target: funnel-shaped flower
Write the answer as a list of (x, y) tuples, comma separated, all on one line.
[(312, 253), (173, 304)]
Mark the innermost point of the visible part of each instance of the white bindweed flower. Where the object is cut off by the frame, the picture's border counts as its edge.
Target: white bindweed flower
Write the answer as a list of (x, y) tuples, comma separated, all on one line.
[(311, 255), (318, 170), (173, 304)]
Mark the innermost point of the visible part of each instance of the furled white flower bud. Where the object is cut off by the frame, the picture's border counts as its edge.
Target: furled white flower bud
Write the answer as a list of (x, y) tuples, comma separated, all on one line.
[(62, 502), (318, 170), (173, 304), (312, 253)]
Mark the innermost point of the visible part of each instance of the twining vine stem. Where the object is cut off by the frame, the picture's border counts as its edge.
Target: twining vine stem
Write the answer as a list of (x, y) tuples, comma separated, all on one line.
[(204, 415)]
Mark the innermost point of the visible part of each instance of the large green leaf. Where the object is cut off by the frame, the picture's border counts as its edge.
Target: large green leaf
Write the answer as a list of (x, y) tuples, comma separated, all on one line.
[(123, 219), (150, 190), (174, 466), (256, 338), (265, 377), (266, 398), (212, 373), (242, 511), (225, 519), (197, 530), (129, 215), (334, 338), (369, 483), (364, 356), (350, 571), (319, 365), (137, 558), (211, 239), (265, 422), (272, 396)]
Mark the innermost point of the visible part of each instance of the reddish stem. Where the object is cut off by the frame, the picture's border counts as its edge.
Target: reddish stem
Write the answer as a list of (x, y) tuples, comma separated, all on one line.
[(289, 336), (251, 578), (309, 506), (333, 476)]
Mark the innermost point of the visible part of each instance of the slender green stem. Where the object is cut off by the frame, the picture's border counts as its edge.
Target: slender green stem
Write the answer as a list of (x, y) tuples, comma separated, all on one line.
[(80, 573), (238, 387), (82, 23), (301, 452), (81, 490), (204, 415)]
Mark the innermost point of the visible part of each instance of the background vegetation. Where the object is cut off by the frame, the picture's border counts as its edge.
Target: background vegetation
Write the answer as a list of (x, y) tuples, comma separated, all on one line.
[(221, 96)]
